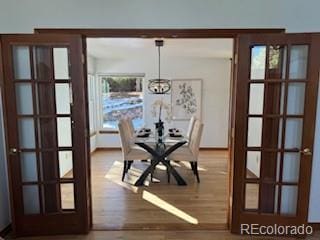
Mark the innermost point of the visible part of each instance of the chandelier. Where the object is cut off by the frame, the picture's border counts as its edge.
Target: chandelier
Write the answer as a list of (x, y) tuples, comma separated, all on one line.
[(159, 85)]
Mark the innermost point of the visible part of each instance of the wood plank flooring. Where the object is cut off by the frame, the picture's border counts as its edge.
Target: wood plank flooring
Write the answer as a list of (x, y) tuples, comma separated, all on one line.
[(119, 205), (161, 235)]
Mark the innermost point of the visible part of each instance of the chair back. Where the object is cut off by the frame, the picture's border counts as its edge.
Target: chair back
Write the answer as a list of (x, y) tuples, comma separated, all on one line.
[(195, 138), (190, 127), (125, 135), (130, 125)]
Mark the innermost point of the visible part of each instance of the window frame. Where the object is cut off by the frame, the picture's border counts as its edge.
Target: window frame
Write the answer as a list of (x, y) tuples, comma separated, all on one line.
[(92, 97), (104, 130)]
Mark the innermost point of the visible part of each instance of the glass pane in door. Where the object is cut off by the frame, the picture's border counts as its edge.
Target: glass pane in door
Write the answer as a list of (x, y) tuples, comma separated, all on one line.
[(21, 62), (45, 91), (31, 201), (296, 96), (291, 167), (64, 132), (254, 132), (62, 98), (66, 164), (275, 94), (277, 62), (298, 62), (42, 63), (26, 133), (67, 196), (252, 196), (253, 164), (258, 62), (293, 137), (61, 63), (256, 98), (272, 135), (29, 167), (24, 98), (289, 199)]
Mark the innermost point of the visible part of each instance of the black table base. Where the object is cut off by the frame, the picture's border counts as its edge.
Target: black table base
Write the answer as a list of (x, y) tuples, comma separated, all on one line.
[(159, 156)]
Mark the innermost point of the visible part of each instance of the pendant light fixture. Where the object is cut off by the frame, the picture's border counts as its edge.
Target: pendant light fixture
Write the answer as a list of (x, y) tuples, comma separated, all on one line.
[(159, 85)]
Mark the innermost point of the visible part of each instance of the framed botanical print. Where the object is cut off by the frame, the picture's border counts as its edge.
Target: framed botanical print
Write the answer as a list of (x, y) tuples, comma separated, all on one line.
[(186, 98)]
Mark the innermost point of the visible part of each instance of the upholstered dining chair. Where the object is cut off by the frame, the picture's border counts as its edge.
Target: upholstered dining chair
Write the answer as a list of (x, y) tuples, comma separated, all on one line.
[(190, 152), (190, 127), (130, 151), (130, 124)]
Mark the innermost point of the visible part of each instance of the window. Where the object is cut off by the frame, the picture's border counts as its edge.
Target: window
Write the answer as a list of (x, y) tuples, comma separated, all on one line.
[(92, 102), (122, 96)]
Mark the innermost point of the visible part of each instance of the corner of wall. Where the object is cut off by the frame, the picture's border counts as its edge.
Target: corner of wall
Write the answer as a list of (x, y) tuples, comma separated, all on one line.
[(5, 216)]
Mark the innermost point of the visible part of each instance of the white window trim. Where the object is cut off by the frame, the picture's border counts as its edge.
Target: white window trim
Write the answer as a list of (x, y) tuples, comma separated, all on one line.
[(93, 89)]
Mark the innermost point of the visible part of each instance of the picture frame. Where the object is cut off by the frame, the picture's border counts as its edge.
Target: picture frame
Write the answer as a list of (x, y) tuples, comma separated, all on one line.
[(186, 98)]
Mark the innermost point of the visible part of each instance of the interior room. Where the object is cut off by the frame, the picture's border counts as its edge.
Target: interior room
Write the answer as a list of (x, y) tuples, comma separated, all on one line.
[(205, 63)]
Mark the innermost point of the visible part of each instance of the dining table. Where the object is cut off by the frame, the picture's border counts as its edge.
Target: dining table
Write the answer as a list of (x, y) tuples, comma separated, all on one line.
[(159, 150)]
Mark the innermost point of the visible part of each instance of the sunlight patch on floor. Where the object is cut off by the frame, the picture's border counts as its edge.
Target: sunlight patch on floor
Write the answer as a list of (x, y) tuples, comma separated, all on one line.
[(155, 200), (161, 167), (115, 173), (187, 165)]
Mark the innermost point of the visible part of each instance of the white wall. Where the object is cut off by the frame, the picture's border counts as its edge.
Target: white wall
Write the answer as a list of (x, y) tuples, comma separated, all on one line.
[(4, 196), (314, 210), (91, 65), (23, 16), (93, 143), (295, 15), (215, 75)]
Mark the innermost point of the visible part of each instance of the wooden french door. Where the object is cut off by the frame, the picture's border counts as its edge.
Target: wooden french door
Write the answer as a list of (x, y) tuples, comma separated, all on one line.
[(276, 93), (46, 133)]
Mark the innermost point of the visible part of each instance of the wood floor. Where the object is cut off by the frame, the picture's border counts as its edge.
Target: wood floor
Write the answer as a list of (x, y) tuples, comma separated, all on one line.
[(119, 205), (160, 235)]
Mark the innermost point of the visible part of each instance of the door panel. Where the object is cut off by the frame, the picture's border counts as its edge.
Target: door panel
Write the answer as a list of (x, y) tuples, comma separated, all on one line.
[(46, 133), (276, 94)]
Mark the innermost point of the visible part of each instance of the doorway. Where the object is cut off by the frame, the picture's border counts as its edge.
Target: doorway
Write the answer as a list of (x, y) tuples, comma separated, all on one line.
[(121, 205)]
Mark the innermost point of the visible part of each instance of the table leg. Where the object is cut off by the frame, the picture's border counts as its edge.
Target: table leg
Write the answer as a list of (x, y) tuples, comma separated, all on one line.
[(160, 157), (146, 172), (174, 173)]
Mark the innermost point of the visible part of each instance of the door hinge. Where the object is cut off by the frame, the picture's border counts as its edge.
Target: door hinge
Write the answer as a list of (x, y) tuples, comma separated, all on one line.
[(82, 58)]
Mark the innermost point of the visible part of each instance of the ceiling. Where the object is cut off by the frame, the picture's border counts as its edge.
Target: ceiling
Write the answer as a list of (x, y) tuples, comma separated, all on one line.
[(119, 48)]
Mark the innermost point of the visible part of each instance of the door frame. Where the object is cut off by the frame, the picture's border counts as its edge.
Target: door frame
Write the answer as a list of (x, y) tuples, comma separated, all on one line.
[(174, 34)]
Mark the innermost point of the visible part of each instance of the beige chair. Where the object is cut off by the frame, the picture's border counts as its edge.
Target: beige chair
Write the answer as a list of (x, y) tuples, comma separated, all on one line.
[(130, 124), (190, 152), (190, 127), (130, 151)]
